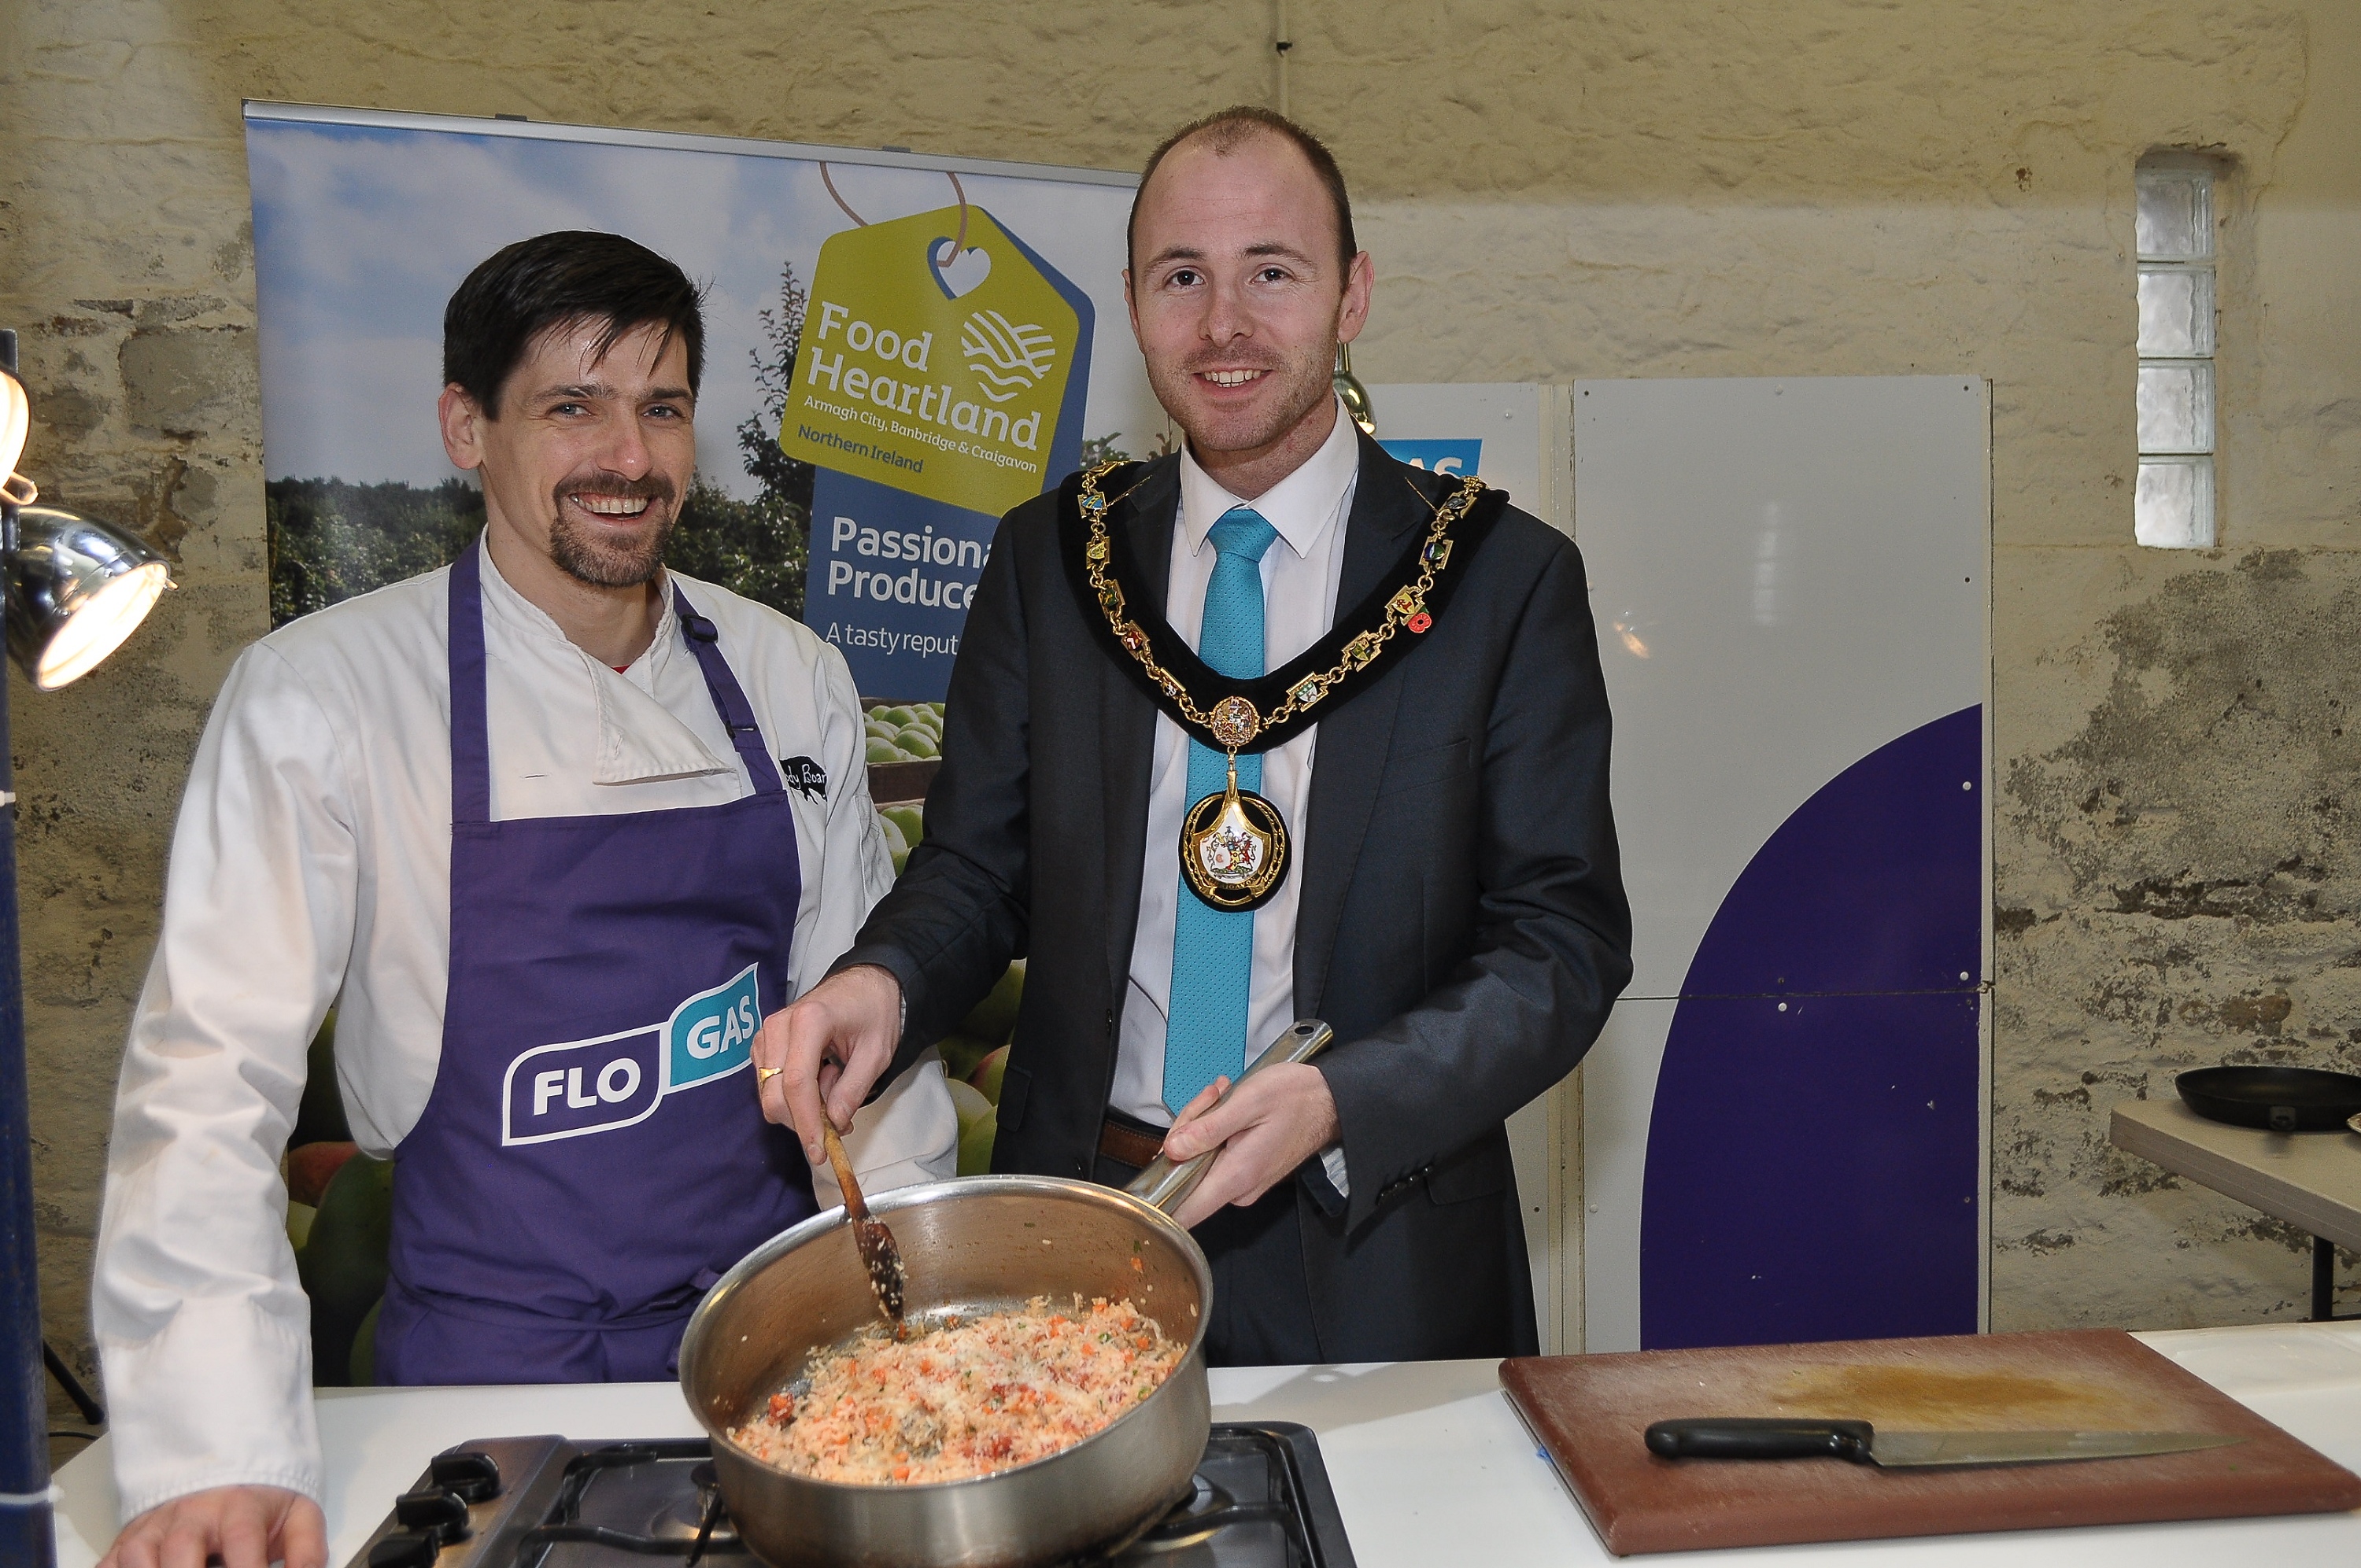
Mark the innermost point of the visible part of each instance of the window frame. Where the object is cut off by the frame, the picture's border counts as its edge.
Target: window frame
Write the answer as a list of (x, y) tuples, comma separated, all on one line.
[(2177, 415)]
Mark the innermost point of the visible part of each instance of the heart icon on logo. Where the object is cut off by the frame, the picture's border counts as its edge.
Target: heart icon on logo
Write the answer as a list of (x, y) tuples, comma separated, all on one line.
[(957, 272)]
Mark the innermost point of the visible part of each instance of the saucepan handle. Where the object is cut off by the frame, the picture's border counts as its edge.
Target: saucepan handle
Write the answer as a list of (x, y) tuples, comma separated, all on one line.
[(1761, 1437), (1165, 1184)]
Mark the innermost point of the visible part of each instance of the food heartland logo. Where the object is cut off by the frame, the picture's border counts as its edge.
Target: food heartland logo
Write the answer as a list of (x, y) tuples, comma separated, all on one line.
[(1007, 357), (579, 1087), (946, 371)]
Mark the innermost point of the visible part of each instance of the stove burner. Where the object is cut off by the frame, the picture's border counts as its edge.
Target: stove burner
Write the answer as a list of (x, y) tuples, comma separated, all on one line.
[(1261, 1496)]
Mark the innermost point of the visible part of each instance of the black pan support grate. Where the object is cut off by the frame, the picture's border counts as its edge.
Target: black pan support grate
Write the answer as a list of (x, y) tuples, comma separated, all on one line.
[(1260, 1497), (564, 1524)]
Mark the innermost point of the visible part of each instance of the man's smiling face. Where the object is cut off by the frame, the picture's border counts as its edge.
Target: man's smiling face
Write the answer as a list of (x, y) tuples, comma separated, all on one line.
[(1237, 294), (592, 453)]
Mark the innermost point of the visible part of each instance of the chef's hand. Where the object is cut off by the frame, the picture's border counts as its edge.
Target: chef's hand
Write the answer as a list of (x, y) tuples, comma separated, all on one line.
[(242, 1526), (1279, 1118), (832, 1043)]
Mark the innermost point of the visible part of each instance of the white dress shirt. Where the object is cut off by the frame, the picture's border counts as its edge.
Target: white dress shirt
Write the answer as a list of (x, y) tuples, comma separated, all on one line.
[(310, 866), (1300, 574)]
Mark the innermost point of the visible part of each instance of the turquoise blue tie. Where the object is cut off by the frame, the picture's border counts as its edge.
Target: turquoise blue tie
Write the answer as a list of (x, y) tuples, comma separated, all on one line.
[(1213, 949)]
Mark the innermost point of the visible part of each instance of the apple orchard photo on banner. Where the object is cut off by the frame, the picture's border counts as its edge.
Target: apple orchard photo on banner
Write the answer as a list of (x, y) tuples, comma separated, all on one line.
[(898, 349)]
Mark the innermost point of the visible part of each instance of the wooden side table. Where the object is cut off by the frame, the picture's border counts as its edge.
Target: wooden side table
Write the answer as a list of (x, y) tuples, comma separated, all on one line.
[(2311, 1180)]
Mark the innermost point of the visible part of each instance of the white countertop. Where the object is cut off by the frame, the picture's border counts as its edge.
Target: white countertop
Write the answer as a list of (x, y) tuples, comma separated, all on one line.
[(1430, 1464), (2310, 1180)]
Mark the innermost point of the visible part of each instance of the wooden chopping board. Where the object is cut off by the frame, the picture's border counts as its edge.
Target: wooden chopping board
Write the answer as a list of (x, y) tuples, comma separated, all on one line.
[(1589, 1413)]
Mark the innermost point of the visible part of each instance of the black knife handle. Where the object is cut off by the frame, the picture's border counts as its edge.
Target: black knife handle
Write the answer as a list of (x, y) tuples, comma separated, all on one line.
[(1761, 1437)]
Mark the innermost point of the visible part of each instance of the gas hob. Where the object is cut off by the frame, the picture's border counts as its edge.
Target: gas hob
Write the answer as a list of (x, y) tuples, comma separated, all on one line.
[(1261, 1500)]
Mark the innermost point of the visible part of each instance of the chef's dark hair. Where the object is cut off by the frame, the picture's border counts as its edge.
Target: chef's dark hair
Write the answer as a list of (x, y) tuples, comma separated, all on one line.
[(575, 275), (1224, 130)]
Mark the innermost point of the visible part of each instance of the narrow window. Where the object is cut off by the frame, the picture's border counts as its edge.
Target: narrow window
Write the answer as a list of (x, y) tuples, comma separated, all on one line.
[(2172, 504)]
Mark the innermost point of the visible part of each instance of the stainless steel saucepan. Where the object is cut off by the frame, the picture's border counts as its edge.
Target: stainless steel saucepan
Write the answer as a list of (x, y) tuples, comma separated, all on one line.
[(971, 1244)]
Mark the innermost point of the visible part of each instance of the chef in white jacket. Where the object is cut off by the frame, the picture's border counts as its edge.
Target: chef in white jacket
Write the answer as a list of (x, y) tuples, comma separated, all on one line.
[(553, 829)]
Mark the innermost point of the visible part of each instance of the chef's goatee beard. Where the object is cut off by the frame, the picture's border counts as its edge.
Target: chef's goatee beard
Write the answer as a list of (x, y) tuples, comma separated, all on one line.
[(605, 566)]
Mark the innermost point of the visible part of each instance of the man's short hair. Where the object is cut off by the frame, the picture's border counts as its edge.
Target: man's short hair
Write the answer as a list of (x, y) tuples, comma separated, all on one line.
[(553, 279), (1224, 130)]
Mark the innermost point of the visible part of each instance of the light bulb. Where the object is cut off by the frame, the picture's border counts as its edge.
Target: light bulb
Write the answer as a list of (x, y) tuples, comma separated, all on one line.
[(16, 418)]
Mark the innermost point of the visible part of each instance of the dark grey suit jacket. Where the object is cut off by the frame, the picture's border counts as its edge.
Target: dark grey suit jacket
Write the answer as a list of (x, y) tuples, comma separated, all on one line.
[(1462, 923)]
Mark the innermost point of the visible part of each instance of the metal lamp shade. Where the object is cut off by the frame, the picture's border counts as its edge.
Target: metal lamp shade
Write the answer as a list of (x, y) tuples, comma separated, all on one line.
[(76, 589)]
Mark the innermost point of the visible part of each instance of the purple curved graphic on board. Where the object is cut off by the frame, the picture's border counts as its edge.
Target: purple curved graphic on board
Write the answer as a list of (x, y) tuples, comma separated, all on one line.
[(1874, 885), (1812, 1155)]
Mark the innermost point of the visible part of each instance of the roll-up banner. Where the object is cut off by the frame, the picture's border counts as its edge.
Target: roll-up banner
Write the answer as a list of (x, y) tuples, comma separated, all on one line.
[(898, 349)]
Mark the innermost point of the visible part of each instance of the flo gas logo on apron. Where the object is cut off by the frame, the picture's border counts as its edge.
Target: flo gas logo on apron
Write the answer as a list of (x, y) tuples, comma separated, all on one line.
[(579, 1087), (940, 382)]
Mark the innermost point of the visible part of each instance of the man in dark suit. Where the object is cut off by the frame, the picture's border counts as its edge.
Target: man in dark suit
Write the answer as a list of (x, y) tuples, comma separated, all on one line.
[(1430, 868)]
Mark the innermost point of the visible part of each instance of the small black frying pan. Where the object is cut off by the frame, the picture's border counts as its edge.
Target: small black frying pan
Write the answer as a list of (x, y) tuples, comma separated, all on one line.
[(2276, 1099)]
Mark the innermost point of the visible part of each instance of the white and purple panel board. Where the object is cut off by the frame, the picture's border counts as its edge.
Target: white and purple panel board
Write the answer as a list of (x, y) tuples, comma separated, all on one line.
[(1784, 1133)]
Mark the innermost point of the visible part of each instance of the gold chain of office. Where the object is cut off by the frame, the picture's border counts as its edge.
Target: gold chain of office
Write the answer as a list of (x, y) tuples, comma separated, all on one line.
[(1232, 722)]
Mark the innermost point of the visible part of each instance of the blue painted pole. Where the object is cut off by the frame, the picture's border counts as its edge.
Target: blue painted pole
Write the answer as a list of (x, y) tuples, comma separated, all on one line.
[(27, 1536)]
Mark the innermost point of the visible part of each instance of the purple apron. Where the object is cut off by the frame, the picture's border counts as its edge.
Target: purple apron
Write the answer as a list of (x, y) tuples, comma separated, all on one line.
[(593, 1154)]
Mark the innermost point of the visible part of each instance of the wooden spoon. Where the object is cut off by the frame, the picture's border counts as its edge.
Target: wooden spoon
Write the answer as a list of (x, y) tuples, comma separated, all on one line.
[(878, 1253)]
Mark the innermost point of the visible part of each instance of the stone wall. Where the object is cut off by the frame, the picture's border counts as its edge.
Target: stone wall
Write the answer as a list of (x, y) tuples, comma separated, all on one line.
[(1551, 191)]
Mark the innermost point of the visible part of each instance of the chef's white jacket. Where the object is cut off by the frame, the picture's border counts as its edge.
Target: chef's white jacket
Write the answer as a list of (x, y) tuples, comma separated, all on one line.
[(311, 867)]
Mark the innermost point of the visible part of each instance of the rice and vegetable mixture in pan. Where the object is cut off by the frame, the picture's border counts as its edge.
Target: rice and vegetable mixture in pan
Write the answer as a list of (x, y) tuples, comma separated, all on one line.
[(966, 1397)]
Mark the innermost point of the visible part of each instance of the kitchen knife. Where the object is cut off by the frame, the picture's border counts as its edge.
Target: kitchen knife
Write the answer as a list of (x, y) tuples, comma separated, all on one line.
[(1780, 1436)]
